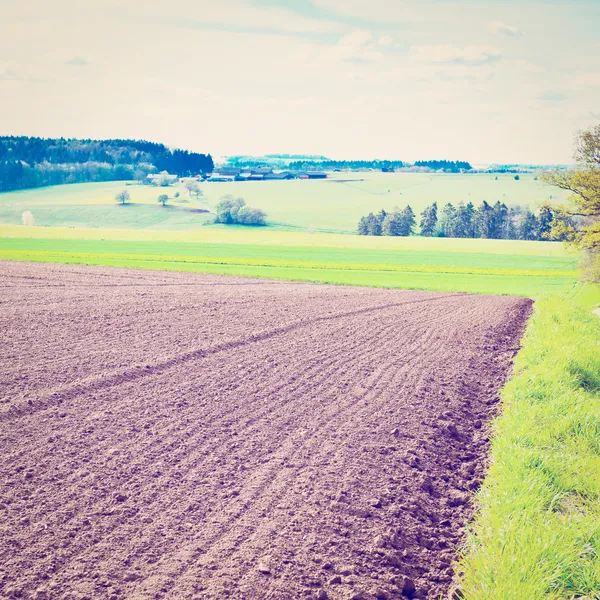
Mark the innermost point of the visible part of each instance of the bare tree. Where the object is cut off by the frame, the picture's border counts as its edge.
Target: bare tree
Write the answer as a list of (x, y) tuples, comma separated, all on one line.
[(122, 197), (193, 188), (163, 179)]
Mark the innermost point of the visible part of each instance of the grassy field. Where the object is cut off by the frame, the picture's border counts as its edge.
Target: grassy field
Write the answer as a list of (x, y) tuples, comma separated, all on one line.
[(92, 205), (332, 205), (479, 266), (537, 534)]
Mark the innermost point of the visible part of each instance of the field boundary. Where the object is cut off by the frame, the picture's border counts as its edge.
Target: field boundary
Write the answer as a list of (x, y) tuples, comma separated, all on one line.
[(542, 270), (537, 530), (41, 256)]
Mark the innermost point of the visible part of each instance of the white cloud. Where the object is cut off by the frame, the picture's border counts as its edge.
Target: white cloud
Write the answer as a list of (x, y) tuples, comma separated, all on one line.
[(503, 28), (588, 80), (522, 67), (406, 11), (235, 14), (303, 87), (454, 54), (238, 13), (77, 61), (11, 74), (356, 46)]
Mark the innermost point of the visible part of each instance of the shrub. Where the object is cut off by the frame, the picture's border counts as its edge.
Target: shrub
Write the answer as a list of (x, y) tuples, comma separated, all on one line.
[(232, 210)]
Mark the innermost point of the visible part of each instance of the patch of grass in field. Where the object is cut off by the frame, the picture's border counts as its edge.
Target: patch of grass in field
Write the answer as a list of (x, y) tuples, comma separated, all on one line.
[(332, 205), (537, 533), (258, 236), (420, 267), (129, 216)]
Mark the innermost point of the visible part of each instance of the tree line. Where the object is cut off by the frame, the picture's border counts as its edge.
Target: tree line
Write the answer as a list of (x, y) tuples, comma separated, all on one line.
[(398, 222), (465, 221), (27, 162), (332, 165), (449, 166)]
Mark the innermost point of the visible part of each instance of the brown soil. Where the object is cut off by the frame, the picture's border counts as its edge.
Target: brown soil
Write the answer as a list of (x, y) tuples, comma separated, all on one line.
[(171, 435)]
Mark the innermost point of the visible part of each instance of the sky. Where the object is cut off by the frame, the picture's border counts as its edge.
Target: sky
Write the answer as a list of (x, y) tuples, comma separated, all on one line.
[(488, 81)]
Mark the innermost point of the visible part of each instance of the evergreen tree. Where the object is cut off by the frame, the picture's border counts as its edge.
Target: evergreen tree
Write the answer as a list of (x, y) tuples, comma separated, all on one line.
[(408, 221), (498, 220), (373, 224), (470, 210), (529, 226), (363, 226), (463, 227), (429, 220), (483, 221), (512, 221), (447, 222), (545, 222), (392, 223)]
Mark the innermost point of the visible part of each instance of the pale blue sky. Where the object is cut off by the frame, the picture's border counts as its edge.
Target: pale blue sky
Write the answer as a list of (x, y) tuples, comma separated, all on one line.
[(485, 81)]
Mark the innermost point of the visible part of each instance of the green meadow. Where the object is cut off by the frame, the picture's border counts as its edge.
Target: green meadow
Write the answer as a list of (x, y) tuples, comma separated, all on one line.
[(478, 266), (307, 237), (333, 205)]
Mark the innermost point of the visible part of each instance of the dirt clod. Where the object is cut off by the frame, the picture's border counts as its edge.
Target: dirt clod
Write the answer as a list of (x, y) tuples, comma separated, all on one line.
[(427, 485), (408, 588), (453, 431)]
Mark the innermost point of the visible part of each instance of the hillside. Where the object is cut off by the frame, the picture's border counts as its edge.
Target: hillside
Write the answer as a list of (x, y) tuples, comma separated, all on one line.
[(29, 162), (331, 205)]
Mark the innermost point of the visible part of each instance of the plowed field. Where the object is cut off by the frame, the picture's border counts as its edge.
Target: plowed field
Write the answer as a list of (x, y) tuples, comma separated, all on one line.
[(172, 435)]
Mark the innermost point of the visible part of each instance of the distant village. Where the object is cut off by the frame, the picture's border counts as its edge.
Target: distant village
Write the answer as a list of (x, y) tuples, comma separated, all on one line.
[(261, 174), (322, 169), (228, 174)]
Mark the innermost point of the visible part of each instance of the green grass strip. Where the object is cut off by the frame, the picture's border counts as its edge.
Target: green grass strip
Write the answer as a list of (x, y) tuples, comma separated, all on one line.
[(472, 271), (537, 531)]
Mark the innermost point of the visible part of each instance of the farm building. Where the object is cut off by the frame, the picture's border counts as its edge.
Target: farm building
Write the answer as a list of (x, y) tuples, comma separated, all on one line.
[(261, 170), (312, 175), (221, 178), (227, 171), (282, 175), (260, 174)]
